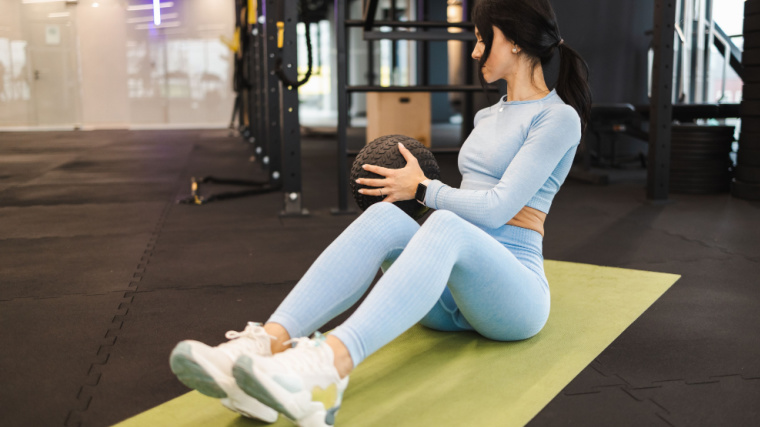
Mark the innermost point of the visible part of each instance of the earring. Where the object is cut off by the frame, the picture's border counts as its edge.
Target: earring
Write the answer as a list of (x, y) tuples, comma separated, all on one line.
[(514, 50)]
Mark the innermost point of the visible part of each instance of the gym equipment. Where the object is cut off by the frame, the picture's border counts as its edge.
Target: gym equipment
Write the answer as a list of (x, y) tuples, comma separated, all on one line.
[(607, 121), (746, 183), (266, 84), (699, 159), (419, 378), (384, 152), (374, 30)]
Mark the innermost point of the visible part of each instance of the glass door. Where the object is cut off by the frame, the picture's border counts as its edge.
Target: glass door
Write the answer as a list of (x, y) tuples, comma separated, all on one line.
[(51, 70)]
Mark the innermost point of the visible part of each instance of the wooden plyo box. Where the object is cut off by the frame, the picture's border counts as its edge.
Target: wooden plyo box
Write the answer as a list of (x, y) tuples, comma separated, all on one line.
[(401, 113)]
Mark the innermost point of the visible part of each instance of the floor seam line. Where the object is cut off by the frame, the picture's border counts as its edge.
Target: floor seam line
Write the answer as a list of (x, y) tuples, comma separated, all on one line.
[(74, 417)]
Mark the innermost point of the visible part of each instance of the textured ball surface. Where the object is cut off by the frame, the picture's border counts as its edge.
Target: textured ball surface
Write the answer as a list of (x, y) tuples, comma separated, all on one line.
[(384, 152)]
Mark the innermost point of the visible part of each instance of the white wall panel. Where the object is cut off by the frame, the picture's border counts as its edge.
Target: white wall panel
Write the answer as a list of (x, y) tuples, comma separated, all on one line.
[(117, 68), (103, 61)]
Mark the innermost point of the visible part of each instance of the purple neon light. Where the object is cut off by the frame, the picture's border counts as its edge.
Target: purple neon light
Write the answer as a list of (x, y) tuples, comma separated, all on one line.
[(157, 12)]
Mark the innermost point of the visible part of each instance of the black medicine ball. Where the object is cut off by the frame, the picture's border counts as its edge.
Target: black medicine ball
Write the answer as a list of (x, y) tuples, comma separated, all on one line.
[(384, 152)]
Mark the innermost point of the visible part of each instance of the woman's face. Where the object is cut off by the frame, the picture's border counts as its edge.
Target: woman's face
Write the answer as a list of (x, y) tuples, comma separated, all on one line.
[(501, 61)]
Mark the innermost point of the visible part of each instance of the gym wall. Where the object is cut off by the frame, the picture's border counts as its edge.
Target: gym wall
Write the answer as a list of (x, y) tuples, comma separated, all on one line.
[(113, 72), (610, 37), (65, 65)]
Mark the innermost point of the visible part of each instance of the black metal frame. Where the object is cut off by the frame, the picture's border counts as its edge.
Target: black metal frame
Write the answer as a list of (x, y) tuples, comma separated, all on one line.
[(658, 172), (290, 128), (271, 109), (368, 24)]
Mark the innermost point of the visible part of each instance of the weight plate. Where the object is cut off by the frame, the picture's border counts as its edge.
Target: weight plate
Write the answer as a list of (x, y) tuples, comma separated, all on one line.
[(701, 151), (748, 160), (700, 176), (751, 25), (751, 141), (683, 180), (751, 8), (700, 189), (749, 146), (752, 40), (698, 181), (695, 181), (751, 74), (699, 156), (707, 174), (718, 146), (746, 136), (748, 173), (684, 127), (752, 91), (751, 57), (751, 124), (750, 108), (700, 163), (745, 190), (749, 151), (706, 136), (702, 144)]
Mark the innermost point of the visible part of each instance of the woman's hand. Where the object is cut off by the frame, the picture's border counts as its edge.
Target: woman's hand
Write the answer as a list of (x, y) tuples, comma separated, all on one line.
[(399, 184)]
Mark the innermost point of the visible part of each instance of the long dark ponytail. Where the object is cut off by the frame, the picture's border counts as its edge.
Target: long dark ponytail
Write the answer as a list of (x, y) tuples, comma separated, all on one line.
[(532, 25)]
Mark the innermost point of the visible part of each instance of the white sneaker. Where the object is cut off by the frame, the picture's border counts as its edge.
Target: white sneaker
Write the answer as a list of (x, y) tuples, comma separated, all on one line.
[(209, 369), (289, 382)]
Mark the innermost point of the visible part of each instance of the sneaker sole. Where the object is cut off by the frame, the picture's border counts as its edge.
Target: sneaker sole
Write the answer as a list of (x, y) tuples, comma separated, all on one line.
[(193, 375), (247, 380)]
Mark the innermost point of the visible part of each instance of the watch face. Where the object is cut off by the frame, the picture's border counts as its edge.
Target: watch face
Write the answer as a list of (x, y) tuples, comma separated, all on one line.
[(421, 190)]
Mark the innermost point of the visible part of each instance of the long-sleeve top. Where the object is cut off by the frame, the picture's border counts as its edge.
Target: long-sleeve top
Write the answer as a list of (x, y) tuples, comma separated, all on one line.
[(518, 154)]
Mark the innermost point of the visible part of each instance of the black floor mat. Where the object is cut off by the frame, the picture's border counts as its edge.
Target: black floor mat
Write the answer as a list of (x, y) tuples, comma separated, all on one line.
[(105, 273)]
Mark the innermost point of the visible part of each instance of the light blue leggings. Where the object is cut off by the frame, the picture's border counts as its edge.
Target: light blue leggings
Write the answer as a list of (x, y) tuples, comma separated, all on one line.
[(447, 274)]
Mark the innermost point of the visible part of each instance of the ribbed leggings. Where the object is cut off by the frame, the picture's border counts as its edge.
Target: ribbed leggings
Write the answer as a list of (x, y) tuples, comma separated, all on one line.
[(447, 274)]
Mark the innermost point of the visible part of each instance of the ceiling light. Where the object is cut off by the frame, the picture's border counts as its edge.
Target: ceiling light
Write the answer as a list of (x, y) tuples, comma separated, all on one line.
[(150, 18), (156, 12), (165, 4), (163, 25)]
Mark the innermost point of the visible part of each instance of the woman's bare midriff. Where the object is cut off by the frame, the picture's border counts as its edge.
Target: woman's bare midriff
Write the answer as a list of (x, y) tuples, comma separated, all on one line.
[(532, 219)]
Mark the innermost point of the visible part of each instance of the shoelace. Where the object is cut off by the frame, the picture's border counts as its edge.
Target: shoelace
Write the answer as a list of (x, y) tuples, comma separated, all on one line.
[(307, 359), (318, 339), (253, 331)]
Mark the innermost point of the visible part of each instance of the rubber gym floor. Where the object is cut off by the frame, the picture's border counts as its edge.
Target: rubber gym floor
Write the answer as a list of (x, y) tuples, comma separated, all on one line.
[(102, 273)]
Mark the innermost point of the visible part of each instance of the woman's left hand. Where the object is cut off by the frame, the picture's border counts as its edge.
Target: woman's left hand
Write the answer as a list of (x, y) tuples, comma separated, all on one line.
[(399, 184)]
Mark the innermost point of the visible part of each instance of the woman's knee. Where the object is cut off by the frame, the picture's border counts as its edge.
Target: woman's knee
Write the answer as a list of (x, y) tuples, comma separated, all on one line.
[(387, 223), (446, 227), (388, 212), (445, 219), (383, 208)]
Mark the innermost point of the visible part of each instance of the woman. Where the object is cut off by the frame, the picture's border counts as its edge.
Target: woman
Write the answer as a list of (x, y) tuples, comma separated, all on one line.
[(475, 265)]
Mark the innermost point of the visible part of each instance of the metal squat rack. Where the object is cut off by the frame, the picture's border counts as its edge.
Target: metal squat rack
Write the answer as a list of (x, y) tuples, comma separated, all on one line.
[(369, 25), (267, 103)]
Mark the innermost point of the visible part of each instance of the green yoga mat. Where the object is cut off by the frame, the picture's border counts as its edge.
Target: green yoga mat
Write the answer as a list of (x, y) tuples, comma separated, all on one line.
[(430, 378)]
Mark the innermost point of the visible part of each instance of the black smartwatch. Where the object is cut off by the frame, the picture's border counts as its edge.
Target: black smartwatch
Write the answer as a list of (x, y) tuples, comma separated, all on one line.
[(420, 195)]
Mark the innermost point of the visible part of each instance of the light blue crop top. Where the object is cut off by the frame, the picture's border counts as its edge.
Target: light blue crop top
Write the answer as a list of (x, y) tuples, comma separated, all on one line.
[(519, 154)]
